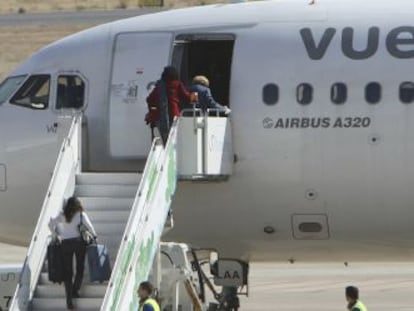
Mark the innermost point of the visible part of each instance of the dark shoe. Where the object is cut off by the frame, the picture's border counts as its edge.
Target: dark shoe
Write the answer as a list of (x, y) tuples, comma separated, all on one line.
[(69, 305)]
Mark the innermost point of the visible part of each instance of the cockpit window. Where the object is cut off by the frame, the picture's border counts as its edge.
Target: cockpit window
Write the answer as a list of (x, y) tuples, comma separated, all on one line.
[(70, 92), (9, 86), (34, 93)]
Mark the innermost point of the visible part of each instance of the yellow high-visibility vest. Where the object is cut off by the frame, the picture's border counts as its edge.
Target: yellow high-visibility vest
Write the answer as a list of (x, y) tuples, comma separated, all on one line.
[(360, 306), (153, 304)]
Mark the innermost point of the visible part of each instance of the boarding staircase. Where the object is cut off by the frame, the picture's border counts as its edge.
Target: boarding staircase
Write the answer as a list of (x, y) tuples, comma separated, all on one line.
[(130, 212), (107, 198)]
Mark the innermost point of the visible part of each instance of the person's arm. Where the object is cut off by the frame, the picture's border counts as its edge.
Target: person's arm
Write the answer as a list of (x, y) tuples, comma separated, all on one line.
[(153, 98), (211, 103), (152, 103), (87, 222), (184, 94), (54, 221)]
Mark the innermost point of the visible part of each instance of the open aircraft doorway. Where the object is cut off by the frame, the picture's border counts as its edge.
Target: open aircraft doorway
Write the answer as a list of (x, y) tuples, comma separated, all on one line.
[(210, 55)]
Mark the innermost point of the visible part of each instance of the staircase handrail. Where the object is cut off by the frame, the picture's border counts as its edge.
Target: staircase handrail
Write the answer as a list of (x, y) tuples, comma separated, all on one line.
[(151, 163), (129, 252), (61, 184)]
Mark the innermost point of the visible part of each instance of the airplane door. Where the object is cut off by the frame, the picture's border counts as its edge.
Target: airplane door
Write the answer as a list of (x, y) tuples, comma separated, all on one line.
[(138, 61)]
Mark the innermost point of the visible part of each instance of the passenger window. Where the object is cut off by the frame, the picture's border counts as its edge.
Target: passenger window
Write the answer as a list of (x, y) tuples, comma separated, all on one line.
[(70, 92), (339, 93), (407, 92), (373, 92), (34, 93), (270, 94), (304, 94)]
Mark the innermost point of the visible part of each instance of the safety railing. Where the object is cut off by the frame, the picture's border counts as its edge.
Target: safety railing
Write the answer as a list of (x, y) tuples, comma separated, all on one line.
[(218, 145), (145, 226), (61, 186), (205, 147), (197, 115)]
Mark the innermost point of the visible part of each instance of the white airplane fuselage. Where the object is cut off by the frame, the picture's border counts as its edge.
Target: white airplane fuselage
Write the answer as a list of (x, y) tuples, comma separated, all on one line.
[(325, 180)]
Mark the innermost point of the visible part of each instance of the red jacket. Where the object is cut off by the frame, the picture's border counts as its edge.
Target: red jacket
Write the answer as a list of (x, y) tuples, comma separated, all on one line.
[(176, 93)]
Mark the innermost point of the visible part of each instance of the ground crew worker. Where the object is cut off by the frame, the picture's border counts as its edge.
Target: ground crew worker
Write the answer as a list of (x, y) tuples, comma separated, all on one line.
[(146, 303), (352, 296)]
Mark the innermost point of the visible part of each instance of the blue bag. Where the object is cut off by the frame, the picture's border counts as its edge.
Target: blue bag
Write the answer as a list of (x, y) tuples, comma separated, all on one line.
[(98, 260)]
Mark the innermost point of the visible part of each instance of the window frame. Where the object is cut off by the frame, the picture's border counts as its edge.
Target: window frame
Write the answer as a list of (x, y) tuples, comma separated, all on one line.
[(55, 91), (345, 98), (272, 85), (379, 96), (30, 106), (399, 93), (305, 84)]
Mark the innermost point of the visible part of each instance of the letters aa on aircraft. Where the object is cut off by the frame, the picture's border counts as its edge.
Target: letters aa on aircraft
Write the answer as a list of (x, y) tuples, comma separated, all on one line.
[(229, 275)]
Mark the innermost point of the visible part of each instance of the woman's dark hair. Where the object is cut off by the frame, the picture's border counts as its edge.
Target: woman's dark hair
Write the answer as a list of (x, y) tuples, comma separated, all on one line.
[(73, 205), (169, 74)]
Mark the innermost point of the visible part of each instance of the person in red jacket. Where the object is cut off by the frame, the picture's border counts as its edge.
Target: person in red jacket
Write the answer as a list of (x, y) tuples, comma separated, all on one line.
[(164, 101)]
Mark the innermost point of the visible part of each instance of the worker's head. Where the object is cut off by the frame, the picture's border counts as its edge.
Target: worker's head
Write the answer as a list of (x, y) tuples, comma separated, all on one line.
[(202, 80), (352, 293), (145, 290), (169, 74)]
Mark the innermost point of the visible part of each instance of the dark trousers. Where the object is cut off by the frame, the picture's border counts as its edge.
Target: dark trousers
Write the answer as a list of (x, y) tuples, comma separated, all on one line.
[(70, 248)]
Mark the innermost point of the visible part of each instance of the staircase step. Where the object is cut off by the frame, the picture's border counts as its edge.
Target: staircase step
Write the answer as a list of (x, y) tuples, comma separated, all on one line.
[(110, 240), (60, 303), (58, 291), (115, 229), (107, 204), (108, 216), (44, 279), (108, 179), (111, 243), (111, 191)]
